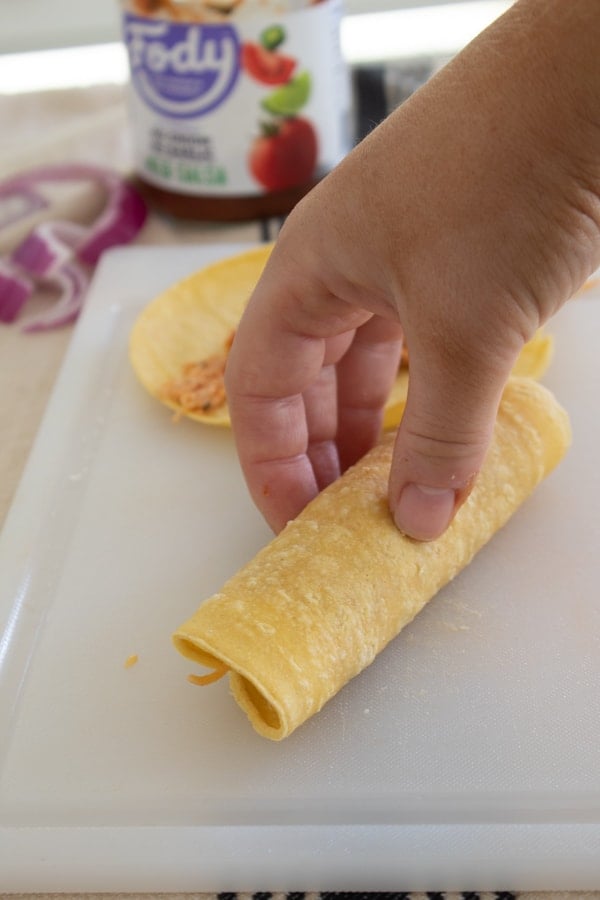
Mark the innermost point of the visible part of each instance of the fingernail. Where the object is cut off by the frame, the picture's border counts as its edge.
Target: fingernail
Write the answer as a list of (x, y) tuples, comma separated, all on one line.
[(423, 512)]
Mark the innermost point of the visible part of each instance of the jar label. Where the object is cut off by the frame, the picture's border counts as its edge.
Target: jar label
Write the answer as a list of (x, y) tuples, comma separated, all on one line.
[(254, 104), (181, 71)]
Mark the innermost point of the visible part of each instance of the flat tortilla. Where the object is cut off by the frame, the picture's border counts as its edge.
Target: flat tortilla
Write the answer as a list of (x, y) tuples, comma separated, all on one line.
[(191, 321), (318, 603), (194, 320)]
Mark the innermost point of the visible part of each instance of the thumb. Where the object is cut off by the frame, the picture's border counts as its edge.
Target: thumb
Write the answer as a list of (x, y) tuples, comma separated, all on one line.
[(442, 440)]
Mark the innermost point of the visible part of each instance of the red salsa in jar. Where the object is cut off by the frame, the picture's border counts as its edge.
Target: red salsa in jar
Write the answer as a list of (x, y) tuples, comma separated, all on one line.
[(238, 107)]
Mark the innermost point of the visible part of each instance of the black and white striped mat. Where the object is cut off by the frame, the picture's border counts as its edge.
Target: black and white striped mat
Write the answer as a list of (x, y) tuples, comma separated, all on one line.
[(379, 895), (317, 895)]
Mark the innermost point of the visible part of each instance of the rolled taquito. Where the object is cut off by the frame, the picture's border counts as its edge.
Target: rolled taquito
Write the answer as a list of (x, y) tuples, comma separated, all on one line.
[(325, 596)]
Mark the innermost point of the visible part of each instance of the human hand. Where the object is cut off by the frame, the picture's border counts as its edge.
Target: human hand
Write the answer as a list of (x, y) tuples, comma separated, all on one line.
[(459, 225)]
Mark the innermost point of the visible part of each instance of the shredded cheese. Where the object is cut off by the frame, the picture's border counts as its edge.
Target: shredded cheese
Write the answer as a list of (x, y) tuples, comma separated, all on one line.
[(201, 680)]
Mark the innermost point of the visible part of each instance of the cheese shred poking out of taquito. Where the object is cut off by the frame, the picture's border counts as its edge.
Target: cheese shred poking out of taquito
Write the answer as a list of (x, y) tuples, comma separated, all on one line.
[(318, 603)]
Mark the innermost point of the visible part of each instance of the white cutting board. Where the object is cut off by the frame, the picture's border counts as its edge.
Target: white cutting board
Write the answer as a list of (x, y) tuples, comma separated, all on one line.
[(466, 757)]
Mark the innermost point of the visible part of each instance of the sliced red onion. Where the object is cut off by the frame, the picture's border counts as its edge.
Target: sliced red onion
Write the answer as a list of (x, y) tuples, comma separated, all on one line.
[(72, 281), (48, 247), (120, 222), (53, 251), (18, 203), (15, 290)]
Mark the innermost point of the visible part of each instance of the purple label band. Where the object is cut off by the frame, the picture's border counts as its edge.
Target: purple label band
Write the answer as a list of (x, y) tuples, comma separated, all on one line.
[(182, 70)]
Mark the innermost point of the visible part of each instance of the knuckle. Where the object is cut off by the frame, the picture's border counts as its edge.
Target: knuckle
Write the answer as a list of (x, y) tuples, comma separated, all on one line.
[(454, 450)]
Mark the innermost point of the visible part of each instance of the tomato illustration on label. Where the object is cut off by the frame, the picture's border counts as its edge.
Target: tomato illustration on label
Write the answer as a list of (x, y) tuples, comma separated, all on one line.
[(262, 60), (285, 154), (266, 66)]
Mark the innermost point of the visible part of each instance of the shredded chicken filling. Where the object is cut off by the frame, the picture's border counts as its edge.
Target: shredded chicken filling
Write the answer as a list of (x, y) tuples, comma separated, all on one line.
[(201, 385)]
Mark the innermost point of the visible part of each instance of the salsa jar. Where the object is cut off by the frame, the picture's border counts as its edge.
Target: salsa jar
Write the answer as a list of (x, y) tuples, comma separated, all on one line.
[(237, 107)]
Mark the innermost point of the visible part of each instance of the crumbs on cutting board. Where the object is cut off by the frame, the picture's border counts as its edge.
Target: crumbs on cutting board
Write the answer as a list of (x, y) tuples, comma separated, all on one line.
[(131, 661)]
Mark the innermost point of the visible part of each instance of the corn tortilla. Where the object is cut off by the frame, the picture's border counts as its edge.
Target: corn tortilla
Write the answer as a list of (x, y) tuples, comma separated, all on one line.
[(193, 320), (318, 603)]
